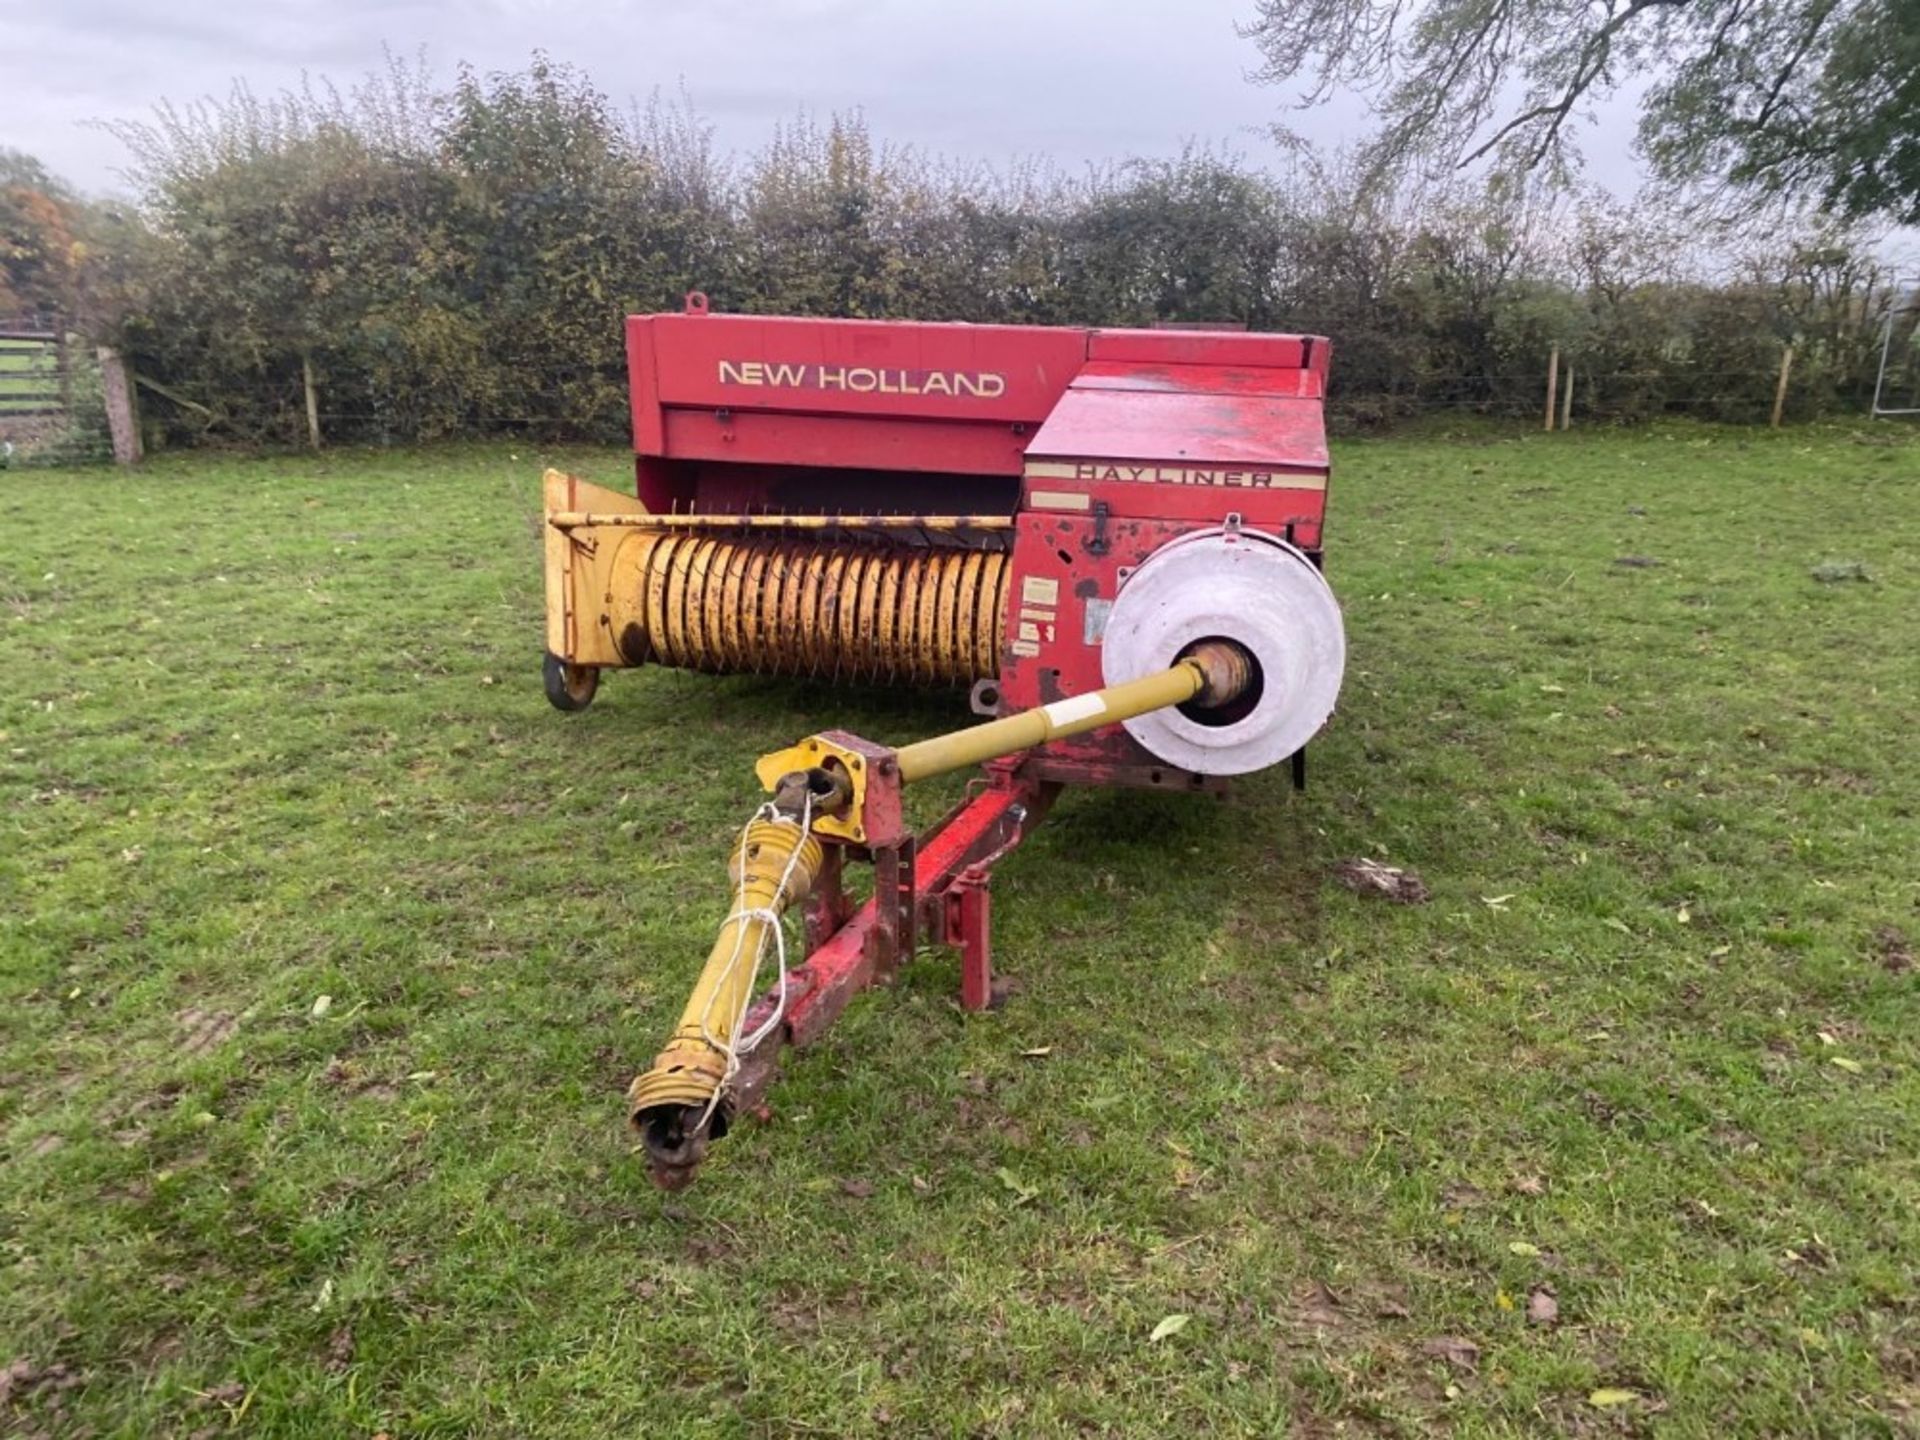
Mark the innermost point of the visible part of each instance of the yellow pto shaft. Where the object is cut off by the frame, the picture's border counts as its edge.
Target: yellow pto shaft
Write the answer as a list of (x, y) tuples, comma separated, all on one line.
[(1213, 673), (680, 1104), (773, 866)]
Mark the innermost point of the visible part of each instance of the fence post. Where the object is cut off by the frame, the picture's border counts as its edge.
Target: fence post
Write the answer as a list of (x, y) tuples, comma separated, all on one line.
[(1780, 390), (1566, 400), (1553, 382), (123, 421), (313, 400)]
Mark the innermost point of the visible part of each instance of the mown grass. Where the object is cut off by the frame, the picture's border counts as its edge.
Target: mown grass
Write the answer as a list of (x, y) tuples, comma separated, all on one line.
[(272, 730)]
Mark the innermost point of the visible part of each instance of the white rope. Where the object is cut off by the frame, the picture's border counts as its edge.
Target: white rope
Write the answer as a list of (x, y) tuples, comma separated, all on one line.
[(742, 915)]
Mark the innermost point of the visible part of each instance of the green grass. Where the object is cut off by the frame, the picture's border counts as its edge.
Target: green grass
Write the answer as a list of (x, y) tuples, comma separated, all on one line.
[(272, 729)]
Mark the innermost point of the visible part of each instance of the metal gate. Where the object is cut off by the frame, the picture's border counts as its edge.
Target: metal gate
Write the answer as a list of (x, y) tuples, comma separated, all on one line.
[(1896, 389), (36, 379)]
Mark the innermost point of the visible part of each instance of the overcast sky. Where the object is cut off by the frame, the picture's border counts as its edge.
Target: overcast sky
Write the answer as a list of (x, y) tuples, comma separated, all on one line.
[(1074, 81)]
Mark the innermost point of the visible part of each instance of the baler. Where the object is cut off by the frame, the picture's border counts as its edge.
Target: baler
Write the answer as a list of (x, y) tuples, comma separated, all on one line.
[(1111, 538)]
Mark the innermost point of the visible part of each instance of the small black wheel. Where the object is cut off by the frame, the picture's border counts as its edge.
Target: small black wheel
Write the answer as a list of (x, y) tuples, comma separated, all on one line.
[(569, 687)]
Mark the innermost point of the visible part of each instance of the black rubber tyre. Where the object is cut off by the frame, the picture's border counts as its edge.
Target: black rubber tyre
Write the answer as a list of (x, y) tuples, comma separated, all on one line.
[(569, 687)]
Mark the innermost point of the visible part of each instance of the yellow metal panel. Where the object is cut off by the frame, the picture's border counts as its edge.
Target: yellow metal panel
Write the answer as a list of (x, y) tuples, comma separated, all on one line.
[(924, 614), (701, 621), (557, 495), (703, 599), (733, 599), (816, 751), (846, 620), (623, 606), (577, 562)]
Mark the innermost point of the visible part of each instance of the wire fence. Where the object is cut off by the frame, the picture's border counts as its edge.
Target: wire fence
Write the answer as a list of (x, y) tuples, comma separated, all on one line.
[(589, 404), (592, 403)]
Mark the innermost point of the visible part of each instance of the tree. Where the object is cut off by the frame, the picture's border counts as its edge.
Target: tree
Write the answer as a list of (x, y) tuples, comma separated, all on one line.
[(308, 228), (818, 206), (1196, 238), (62, 255), (1806, 101), (40, 253)]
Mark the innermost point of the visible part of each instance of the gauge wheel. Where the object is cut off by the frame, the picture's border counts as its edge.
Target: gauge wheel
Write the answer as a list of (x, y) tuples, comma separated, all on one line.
[(569, 687)]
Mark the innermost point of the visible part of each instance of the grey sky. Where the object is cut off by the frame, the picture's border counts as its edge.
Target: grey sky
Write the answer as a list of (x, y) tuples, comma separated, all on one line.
[(1074, 81)]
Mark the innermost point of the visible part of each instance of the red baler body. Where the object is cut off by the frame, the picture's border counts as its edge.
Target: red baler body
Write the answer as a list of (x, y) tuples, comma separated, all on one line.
[(1101, 444)]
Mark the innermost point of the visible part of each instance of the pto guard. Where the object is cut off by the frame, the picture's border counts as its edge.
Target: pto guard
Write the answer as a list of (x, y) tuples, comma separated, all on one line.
[(679, 1103), (1252, 588)]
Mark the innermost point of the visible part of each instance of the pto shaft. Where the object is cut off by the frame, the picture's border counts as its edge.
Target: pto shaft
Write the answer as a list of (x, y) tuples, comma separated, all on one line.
[(1213, 673), (673, 1102), (681, 1103)]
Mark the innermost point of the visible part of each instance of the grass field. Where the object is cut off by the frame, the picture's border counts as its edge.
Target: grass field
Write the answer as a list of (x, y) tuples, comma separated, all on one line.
[(272, 730)]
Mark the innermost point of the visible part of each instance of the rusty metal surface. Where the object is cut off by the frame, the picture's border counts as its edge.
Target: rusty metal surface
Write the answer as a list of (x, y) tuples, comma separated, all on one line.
[(828, 906), (577, 519), (981, 830), (1148, 775), (968, 914), (774, 605)]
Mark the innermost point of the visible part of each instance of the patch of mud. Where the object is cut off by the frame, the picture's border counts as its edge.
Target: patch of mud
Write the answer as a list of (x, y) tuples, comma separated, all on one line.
[(1388, 882), (203, 1031)]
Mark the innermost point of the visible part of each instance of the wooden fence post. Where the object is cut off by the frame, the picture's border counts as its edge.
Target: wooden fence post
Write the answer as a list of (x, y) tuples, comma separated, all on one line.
[(1780, 390), (1566, 400), (313, 400), (1553, 381), (123, 421)]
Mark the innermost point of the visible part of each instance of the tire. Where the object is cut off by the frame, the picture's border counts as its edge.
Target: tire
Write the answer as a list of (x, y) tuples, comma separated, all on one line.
[(569, 687)]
